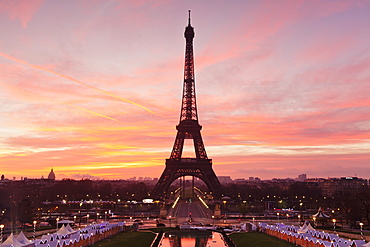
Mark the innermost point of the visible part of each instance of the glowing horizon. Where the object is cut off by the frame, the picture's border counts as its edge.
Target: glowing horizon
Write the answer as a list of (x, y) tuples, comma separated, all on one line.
[(282, 87)]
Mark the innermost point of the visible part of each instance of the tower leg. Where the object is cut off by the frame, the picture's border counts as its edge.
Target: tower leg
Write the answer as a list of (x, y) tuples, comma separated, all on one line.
[(175, 169)]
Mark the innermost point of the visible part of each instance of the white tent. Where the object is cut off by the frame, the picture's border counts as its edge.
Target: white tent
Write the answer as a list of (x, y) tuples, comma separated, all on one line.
[(320, 214), (63, 231), (358, 243), (69, 228), (306, 227), (366, 245), (23, 240), (11, 241)]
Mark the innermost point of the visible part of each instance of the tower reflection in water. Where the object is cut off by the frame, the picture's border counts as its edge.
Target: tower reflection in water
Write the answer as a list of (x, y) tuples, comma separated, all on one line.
[(192, 239)]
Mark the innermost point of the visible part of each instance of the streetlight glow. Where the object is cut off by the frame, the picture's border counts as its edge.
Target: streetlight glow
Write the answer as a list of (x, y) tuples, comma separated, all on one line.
[(1, 233), (362, 231), (334, 220), (34, 229)]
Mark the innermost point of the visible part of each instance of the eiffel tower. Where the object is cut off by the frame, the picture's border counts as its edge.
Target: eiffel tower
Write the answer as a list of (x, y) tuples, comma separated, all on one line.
[(188, 128)]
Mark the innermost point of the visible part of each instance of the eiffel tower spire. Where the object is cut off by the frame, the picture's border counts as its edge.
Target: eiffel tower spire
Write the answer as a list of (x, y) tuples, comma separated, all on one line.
[(189, 105), (188, 128)]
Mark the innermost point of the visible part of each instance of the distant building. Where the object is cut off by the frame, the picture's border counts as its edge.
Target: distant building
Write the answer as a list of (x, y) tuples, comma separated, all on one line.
[(302, 178), (330, 185), (224, 179), (239, 180), (51, 175)]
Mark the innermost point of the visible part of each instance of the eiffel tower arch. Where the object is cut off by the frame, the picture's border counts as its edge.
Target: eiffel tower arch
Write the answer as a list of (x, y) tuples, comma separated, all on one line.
[(188, 128)]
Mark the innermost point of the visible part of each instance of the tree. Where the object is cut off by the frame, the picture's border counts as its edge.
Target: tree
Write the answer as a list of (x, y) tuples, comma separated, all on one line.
[(364, 199), (25, 211), (345, 199), (243, 208)]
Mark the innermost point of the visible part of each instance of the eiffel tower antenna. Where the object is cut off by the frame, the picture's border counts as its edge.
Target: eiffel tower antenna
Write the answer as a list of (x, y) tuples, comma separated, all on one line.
[(189, 17), (188, 128)]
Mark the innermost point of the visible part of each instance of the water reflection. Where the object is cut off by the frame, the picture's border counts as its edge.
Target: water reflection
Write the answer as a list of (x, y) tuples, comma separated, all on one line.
[(192, 239)]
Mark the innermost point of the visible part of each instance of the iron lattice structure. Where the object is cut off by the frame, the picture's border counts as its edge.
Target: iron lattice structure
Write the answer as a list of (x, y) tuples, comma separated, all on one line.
[(188, 128)]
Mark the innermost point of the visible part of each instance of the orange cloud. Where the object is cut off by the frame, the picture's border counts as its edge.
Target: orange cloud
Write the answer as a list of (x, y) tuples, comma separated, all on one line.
[(74, 80), (37, 97)]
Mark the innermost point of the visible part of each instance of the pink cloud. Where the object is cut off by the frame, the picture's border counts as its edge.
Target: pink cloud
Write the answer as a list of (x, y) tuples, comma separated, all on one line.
[(22, 10), (266, 93), (270, 166)]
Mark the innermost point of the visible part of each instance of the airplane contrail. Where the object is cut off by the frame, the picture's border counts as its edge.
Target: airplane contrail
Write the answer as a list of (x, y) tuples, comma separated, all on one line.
[(74, 80), (92, 112), (82, 109)]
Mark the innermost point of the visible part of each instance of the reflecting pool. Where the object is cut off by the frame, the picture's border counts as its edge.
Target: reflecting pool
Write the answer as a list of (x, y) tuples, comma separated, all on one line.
[(192, 239)]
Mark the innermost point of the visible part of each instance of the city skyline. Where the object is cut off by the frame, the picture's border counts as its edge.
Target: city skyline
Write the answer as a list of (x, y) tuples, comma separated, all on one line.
[(93, 88)]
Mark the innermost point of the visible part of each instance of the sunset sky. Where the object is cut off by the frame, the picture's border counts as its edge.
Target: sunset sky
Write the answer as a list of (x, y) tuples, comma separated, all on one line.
[(92, 88)]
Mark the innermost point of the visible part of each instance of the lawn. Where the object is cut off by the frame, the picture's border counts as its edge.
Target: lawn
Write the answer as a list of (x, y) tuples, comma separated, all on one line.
[(257, 239), (132, 239)]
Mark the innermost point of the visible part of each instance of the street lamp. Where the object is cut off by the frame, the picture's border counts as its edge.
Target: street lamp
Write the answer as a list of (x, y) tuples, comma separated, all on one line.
[(314, 221), (74, 218), (362, 232), (105, 216), (1, 233), (87, 218), (334, 220), (57, 222), (253, 220), (278, 214), (97, 217), (79, 222), (299, 219), (213, 218), (34, 230)]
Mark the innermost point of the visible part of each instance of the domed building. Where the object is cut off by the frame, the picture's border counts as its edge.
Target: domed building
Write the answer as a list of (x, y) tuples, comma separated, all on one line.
[(51, 175)]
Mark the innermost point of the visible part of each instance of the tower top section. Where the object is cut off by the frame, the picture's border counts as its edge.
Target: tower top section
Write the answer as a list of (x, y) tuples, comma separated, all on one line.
[(189, 32), (189, 106)]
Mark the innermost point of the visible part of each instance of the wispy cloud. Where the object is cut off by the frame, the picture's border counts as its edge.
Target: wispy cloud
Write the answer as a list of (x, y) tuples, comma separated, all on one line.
[(21, 10), (74, 80), (280, 85)]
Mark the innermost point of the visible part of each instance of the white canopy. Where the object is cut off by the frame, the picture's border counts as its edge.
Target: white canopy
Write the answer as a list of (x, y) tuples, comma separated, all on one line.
[(366, 245), (22, 239), (320, 214), (63, 231), (305, 228), (69, 228), (11, 241)]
